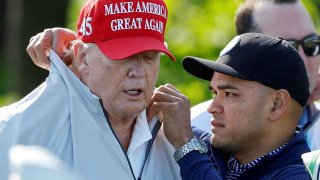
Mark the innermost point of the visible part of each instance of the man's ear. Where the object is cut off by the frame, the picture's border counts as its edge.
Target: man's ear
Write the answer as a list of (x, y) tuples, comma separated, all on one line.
[(80, 63), (281, 101)]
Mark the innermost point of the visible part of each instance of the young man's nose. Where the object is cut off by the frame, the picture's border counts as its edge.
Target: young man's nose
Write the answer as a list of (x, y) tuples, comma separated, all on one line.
[(215, 106)]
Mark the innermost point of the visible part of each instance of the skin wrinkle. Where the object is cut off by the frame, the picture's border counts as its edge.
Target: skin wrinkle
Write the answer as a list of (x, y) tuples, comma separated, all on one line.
[(111, 79)]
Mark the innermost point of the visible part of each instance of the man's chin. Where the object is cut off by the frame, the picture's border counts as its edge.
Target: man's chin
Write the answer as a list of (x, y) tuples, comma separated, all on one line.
[(134, 108), (216, 141)]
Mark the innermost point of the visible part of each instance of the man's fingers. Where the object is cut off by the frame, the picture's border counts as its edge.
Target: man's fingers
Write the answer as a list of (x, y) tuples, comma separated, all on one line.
[(42, 47), (168, 96), (172, 88), (159, 96), (173, 108), (62, 36), (30, 48), (153, 110), (158, 108), (58, 39), (169, 89), (62, 40), (61, 43), (167, 93)]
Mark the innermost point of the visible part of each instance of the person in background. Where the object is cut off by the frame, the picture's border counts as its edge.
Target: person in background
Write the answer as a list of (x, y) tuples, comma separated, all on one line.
[(257, 102), (98, 125), (289, 20)]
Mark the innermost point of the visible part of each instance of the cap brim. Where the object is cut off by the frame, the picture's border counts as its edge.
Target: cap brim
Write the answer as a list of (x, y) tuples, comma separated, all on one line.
[(121, 48), (204, 69)]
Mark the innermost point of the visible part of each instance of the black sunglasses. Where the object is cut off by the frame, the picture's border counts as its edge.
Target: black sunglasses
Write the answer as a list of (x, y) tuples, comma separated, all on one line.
[(310, 44)]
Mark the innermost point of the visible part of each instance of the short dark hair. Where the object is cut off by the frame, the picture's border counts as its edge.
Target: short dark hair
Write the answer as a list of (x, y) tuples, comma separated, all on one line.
[(244, 16)]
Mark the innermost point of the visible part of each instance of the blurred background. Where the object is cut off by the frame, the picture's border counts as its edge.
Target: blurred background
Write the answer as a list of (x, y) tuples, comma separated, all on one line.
[(195, 27)]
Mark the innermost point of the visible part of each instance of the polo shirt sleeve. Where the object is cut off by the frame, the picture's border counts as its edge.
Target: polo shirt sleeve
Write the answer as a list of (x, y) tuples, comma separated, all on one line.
[(41, 118)]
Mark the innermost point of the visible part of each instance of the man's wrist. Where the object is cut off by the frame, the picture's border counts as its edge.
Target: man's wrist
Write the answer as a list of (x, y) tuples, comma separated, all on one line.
[(194, 144), (180, 143)]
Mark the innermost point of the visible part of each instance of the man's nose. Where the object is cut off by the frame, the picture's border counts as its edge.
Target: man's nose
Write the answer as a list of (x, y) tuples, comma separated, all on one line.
[(215, 106), (137, 69)]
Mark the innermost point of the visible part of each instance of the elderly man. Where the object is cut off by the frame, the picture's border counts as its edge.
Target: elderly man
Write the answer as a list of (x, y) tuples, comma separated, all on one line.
[(99, 125), (290, 20), (257, 104)]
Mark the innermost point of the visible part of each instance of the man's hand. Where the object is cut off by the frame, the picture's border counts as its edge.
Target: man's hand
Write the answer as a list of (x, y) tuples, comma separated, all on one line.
[(57, 39), (175, 110)]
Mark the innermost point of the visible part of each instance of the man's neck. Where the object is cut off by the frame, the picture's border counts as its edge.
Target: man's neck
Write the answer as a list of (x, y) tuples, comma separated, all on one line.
[(262, 148), (124, 132), (122, 126)]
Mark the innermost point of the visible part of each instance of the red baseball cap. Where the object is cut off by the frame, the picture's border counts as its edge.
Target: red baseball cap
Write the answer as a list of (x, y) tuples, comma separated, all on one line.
[(124, 28)]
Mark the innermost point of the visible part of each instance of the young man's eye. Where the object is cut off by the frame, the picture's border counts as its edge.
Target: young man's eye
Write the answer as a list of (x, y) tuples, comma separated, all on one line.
[(229, 94)]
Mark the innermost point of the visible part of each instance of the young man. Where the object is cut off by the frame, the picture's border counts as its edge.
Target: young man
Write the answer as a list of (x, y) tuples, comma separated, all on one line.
[(257, 104), (302, 35), (290, 20), (98, 125)]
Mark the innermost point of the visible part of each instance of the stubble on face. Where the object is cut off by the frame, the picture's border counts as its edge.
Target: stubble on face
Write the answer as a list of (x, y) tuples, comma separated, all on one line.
[(243, 116)]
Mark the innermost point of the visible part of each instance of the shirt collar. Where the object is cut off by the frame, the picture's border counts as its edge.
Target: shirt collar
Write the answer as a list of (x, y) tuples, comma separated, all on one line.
[(141, 133), (234, 165)]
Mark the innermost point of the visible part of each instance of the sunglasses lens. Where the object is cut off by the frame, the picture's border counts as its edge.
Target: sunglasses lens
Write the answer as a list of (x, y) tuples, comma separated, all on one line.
[(294, 44), (311, 47)]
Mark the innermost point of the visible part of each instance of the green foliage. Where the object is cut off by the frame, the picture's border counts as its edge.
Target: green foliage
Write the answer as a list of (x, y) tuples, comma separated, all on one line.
[(8, 99), (74, 7), (313, 7), (196, 28)]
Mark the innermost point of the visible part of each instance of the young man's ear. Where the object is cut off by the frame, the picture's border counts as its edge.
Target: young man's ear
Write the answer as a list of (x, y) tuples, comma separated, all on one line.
[(79, 64), (280, 104)]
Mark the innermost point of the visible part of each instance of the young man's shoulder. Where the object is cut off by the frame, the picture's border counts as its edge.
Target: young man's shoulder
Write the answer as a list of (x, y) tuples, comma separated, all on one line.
[(292, 172)]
